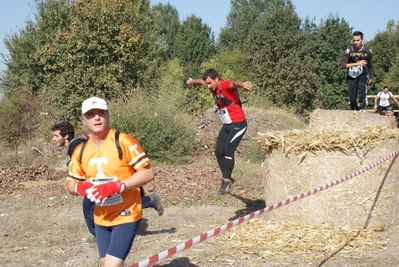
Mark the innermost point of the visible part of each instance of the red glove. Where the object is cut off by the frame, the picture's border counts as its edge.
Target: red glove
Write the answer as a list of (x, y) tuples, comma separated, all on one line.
[(80, 188), (101, 192)]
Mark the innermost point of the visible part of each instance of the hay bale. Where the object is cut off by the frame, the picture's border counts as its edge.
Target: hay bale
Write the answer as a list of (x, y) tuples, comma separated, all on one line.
[(298, 161), (334, 120)]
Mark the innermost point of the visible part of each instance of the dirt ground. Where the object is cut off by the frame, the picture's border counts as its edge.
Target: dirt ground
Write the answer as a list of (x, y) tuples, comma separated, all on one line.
[(43, 226)]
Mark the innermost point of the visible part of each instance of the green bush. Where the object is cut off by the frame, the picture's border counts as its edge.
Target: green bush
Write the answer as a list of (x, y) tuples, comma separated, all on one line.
[(253, 153), (20, 118), (163, 130)]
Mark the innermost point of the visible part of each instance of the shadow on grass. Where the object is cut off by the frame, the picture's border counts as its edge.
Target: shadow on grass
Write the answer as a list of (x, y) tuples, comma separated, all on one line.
[(251, 206), (179, 262), (144, 225)]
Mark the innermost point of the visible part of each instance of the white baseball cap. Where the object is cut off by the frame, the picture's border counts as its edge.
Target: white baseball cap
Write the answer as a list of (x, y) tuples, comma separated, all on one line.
[(94, 103)]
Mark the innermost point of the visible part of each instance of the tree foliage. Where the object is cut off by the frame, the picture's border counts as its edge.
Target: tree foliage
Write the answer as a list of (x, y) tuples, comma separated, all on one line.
[(328, 43), (391, 79), (167, 23), (385, 47), (194, 44), (19, 117), (74, 51), (243, 15), (280, 58), (23, 68), (107, 47)]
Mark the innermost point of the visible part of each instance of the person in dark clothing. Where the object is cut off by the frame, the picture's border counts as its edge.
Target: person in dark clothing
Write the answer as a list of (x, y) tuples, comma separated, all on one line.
[(391, 113), (225, 93), (358, 60), (63, 133)]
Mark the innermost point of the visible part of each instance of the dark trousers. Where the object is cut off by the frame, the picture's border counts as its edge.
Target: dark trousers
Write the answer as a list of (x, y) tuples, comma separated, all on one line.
[(88, 212), (226, 143), (357, 86), (381, 109)]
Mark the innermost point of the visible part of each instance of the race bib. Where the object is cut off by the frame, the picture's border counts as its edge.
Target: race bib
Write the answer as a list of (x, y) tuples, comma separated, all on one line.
[(112, 200), (224, 116), (355, 71)]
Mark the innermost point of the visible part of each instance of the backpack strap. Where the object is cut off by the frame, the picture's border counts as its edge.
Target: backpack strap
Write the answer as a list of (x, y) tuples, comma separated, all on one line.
[(82, 148), (218, 98), (118, 146), (73, 144)]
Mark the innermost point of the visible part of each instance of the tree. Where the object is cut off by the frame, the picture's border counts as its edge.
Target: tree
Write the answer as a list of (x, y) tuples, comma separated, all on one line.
[(194, 44), (167, 23), (242, 16), (385, 47), (328, 43), (106, 49), (391, 79), (21, 81), (22, 65), (282, 67)]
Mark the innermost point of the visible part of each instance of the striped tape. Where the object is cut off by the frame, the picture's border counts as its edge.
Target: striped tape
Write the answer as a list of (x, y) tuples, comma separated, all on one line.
[(221, 229)]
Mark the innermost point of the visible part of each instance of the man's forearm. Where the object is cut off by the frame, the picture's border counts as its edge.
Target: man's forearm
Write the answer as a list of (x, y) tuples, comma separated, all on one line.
[(192, 81), (237, 84)]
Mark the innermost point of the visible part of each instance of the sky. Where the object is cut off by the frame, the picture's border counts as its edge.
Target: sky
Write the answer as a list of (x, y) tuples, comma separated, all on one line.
[(365, 15)]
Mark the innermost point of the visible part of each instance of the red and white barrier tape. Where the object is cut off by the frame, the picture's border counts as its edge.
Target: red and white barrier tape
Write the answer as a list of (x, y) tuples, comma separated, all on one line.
[(221, 229)]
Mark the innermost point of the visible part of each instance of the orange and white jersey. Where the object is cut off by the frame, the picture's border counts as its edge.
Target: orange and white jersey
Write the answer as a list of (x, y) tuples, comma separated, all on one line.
[(101, 165)]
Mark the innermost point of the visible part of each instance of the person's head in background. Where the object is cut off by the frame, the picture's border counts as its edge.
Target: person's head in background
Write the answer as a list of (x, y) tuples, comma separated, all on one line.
[(385, 89), (389, 111), (63, 132), (357, 39)]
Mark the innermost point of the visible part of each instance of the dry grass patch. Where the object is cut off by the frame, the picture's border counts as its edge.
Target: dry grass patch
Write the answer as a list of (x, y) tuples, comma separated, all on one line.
[(266, 239)]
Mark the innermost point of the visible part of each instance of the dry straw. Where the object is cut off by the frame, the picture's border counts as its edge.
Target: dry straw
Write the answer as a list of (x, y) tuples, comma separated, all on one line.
[(337, 143), (332, 131), (269, 240)]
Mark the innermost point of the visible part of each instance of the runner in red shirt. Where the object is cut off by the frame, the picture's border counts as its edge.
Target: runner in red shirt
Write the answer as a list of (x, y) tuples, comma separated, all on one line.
[(227, 99)]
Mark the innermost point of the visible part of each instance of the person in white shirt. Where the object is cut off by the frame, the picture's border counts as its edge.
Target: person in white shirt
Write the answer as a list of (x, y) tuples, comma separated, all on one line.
[(381, 101)]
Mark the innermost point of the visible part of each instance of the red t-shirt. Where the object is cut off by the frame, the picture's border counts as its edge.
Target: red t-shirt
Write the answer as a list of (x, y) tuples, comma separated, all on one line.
[(228, 98)]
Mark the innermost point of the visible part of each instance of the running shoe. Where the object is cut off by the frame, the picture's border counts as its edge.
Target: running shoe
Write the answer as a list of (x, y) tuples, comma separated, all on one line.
[(224, 188)]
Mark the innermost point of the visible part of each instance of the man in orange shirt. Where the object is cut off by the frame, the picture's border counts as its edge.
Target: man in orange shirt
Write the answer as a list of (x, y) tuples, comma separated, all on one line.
[(112, 183), (63, 133)]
